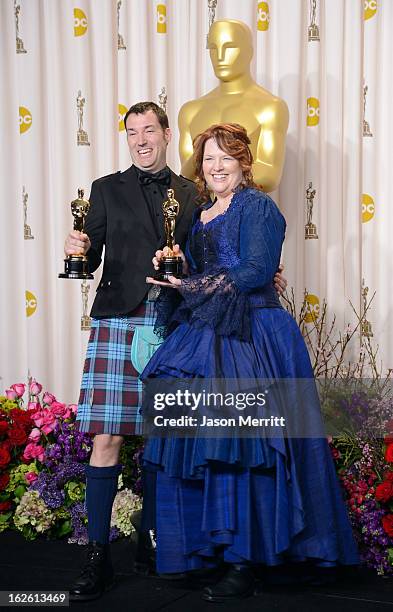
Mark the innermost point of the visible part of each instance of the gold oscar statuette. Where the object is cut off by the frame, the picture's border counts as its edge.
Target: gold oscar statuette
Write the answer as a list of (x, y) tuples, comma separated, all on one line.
[(27, 229), (82, 137), (77, 266), (238, 99), (313, 29), (19, 42), (366, 126), (366, 329), (310, 228), (85, 319), (171, 264), (120, 40)]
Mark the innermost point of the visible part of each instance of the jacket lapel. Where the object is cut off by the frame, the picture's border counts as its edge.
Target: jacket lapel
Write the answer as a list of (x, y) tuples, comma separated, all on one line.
[(182, 192)]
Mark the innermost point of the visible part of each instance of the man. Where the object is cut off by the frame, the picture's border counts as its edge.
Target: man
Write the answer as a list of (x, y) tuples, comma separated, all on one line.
[(126, 216)]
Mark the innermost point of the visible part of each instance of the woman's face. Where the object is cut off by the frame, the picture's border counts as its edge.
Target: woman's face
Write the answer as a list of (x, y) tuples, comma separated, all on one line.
[(222, 172)]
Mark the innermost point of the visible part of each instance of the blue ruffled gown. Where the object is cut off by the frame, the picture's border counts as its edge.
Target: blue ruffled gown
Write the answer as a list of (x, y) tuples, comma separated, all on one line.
[(266, 501)]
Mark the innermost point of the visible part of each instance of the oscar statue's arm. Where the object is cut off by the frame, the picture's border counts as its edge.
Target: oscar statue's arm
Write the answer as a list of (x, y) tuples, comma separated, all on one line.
[(185, 140), (269, 159)]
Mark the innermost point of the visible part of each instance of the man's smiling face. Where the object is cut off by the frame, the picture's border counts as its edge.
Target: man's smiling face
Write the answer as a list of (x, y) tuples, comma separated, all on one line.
[(147, 141)]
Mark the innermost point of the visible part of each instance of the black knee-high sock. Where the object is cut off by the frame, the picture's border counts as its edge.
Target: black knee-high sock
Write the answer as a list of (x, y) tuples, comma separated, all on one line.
[(101, 487)]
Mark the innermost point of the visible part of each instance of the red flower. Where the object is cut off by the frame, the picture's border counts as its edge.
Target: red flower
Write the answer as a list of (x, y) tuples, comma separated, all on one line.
[(384, 491), (17, 436), (388, 439), (5, 457), (3, 427), (389, 453), (21, 418), (4, 480), (387, 523), (388, 475), (5, 506)]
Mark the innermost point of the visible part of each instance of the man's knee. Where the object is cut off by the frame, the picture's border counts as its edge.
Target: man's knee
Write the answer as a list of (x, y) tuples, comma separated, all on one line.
[(106, 448)]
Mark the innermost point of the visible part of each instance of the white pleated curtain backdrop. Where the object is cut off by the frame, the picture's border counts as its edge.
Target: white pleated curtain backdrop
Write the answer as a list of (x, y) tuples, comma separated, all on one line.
[(73, 46)]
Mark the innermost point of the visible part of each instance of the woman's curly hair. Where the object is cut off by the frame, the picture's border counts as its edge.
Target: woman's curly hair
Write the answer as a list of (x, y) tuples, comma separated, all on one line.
[(231, 138)]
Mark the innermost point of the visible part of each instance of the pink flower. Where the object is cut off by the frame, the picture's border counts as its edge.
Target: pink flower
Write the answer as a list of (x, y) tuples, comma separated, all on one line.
[(19, 389), (10, 394), (31, 477), (49, 422), (48, 398), (58, 409), (33, 406), (73, 408), (35, 388), (35, 435), (38, 418), (34, 451)]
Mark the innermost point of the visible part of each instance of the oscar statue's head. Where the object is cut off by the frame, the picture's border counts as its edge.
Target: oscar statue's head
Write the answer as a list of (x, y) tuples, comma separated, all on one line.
[(231, 50)]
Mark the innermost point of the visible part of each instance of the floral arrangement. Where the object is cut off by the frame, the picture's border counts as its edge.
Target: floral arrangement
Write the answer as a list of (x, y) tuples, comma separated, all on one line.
[(357, 403), (364, 460), (42, 468)]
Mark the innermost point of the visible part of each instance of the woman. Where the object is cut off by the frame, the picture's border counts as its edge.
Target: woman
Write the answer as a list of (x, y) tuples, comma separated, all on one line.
[(241, 501)]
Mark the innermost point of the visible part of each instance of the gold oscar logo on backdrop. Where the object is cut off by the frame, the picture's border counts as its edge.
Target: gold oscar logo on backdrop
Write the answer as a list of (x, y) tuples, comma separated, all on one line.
[(366, 329), (366, 126), (263, 16), (161, 18), (80, 22), (312, 111), (311, 304), (85, 319), (25, 119), (31, 303), (310, 228), (211, 5), (122, 111), (19, 42), (162, 99), (120, 39), (27, 229), (370, 8), (313, 29), (81, 136), (368, 208)]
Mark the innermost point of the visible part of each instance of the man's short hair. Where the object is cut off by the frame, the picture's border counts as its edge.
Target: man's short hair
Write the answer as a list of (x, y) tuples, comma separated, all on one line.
[(143, 107)]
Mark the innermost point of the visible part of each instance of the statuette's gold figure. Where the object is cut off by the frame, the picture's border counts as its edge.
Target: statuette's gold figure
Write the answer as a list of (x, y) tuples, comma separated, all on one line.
[(310, 228), (170, 209), (79, 209), (237, 99), (120, 39), (19, 42)]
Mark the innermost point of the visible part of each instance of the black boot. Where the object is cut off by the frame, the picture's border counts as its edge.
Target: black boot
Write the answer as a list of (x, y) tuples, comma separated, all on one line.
[(238, 582), (96, 575)]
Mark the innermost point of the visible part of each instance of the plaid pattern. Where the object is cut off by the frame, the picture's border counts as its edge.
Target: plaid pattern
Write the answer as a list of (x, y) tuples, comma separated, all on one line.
[(111, 392)]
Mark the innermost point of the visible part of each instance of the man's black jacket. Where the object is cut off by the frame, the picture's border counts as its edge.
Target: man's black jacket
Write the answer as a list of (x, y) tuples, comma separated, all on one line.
[(119, 218)]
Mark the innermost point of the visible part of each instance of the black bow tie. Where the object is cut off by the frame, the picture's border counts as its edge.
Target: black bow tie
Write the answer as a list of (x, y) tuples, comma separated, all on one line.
[(163, 177)]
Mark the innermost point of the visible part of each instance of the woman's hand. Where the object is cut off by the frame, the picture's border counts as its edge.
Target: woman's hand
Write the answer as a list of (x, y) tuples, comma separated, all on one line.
[(177, 252), (172, 282), (280, 282)]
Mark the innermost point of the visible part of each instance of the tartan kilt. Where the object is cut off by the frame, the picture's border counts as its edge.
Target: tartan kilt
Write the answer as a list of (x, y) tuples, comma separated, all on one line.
[(111, 392)]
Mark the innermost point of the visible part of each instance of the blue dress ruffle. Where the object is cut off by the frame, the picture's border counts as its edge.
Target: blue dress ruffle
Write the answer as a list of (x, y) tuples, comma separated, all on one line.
[(257, 500)]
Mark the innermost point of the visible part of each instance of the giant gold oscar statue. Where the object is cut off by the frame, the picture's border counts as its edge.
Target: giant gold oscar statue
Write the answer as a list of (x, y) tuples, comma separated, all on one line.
[(237, 99)]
